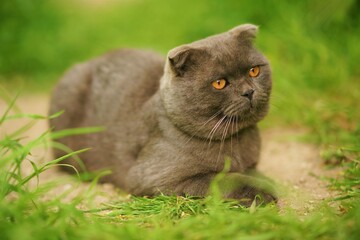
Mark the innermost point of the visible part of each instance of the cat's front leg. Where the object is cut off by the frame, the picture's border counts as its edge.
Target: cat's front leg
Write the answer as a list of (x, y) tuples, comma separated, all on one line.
[(243, 187)]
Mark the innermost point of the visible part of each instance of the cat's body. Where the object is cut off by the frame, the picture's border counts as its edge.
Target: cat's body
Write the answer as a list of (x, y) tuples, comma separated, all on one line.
[(169, 129)]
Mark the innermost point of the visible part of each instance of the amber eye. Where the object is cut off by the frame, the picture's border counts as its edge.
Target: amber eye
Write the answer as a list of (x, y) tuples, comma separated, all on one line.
[(254, 71), (219, 84)]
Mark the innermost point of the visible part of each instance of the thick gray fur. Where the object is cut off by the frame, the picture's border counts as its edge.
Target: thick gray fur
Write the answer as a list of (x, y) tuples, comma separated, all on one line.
[(167, 129)]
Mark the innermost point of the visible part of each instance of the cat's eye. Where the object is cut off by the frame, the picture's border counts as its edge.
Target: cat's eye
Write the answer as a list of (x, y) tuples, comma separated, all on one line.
[(254, 71), (219, 84)]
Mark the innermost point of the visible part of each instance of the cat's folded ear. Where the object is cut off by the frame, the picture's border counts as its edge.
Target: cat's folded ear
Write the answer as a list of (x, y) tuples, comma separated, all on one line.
[(182, 58), (245, 32)]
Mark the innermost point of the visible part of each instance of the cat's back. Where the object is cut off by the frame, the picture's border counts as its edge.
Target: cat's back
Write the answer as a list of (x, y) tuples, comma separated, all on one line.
[(127, 74), (97, 91), (127, 69), (123, 80)]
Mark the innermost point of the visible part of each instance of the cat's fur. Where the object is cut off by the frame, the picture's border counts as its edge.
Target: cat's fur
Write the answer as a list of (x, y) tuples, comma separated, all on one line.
[(167, 129)]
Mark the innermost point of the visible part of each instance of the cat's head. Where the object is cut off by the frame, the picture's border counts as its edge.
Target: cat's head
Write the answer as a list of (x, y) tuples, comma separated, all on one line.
[(214, 87)]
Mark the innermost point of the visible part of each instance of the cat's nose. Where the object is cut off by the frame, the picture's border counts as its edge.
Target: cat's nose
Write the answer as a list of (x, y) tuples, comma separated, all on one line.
[(248, 93)]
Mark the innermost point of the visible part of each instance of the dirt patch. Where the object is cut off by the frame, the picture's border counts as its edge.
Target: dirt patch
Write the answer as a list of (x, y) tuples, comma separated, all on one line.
[(296, 166)]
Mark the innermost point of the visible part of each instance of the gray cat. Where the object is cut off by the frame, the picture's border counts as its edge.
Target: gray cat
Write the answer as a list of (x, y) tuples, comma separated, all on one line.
[(170, 129)]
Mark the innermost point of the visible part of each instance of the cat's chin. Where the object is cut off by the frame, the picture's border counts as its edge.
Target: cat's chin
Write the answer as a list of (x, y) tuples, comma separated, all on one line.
[(242, 121), (245, 117), (248, 113)]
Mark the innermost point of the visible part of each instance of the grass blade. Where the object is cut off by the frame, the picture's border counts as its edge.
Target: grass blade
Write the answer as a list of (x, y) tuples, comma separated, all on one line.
[(9, 107), (75, 131)]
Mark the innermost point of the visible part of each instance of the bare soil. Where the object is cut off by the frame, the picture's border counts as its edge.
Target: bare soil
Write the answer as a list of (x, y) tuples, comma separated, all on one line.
[(295, 165)]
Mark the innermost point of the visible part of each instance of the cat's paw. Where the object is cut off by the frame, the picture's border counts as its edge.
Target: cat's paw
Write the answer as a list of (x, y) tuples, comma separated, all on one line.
[(248, 188), (248, 194)]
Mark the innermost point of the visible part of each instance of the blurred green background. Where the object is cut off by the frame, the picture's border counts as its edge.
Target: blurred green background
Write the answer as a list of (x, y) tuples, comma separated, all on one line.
[(313, 46)]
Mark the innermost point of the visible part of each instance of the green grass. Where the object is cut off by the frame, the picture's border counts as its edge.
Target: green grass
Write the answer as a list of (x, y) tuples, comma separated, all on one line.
[(314, 53)]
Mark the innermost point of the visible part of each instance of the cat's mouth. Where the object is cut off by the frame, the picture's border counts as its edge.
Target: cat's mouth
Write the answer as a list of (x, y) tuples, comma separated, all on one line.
[(237, 111), (231, 119), (236, 117)]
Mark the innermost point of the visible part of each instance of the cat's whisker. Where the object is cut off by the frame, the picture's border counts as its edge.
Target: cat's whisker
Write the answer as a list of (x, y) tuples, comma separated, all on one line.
[(212, 117), (204, 124), (214, 129), (231, 110), (223, 137), (237, 133), (232, 132), (226, 128)]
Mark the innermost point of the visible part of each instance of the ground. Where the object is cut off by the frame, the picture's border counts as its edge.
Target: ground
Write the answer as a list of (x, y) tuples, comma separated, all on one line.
[(296, 166)]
